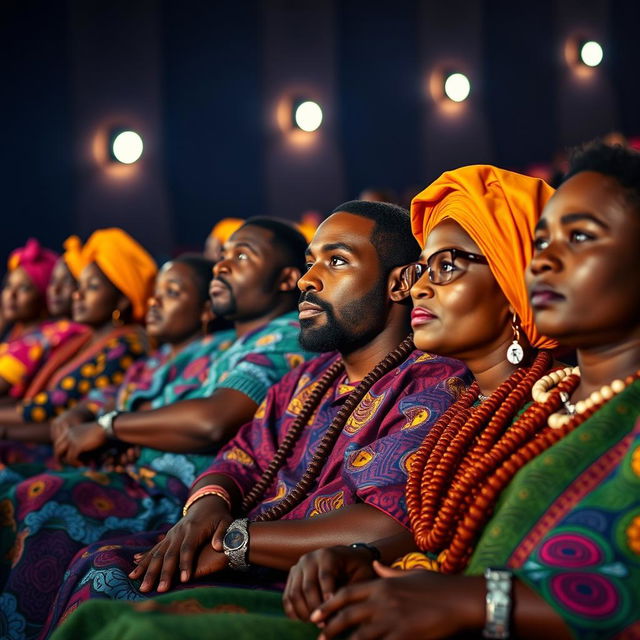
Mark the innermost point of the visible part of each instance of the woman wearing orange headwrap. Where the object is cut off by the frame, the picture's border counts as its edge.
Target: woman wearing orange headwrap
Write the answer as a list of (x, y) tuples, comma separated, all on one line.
[(35, 274), (115, 275), (475, 225)]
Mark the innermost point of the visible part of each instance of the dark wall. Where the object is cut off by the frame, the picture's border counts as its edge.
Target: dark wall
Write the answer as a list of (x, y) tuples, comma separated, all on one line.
[(36, 178), (203, 81), (212, 113)]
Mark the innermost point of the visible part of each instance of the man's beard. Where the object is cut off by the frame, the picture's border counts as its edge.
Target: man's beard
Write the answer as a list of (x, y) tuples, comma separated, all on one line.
[(224, 309), (338, 335)]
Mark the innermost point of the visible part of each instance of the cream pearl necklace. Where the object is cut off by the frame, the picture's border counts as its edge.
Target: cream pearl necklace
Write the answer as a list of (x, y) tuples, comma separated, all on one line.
[(541, 392)]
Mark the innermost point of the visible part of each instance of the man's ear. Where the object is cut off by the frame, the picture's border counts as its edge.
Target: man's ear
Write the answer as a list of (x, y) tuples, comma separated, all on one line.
[(207, 316), (397, 288), (288, 280)]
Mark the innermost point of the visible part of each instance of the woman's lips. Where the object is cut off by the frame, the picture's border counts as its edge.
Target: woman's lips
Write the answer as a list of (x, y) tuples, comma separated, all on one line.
[(420, 316), (543, 297)]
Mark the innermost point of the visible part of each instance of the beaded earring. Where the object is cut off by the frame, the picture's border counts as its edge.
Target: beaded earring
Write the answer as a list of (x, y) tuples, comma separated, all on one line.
[(115, 318), (515, 352)]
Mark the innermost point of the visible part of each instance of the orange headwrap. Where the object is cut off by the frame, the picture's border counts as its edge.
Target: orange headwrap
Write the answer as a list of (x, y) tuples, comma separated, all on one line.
[(499, 210), (225, 228), (72, 255), (125, 263)]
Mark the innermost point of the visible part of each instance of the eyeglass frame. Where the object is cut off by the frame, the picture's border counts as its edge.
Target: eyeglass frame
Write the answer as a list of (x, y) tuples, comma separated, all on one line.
[(421, 268)]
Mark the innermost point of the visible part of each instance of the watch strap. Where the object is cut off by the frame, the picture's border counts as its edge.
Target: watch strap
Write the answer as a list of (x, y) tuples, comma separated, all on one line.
[(499, 603), (106, 422)]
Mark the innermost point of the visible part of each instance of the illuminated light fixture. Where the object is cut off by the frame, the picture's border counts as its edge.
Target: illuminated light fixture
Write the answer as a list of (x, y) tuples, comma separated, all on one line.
[(457, 87), (307, 115), (125, 147), (590, 53)]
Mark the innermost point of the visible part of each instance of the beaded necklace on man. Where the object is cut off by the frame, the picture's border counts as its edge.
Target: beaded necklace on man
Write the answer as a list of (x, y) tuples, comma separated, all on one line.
[(316, 464)]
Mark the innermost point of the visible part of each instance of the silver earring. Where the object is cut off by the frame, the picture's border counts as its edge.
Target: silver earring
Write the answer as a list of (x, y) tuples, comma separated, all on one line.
[(515, 353)]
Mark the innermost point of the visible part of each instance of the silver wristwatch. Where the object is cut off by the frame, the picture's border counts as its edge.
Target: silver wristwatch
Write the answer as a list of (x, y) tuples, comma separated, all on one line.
[(498, 603), (235, 544), (106, 422)]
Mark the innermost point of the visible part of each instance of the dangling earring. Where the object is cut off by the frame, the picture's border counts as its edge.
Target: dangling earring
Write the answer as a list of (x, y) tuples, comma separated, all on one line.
[(515, 353), (115, 318)]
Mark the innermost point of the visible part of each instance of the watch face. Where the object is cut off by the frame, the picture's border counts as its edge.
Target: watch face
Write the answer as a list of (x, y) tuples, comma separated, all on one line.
[(233, 539)]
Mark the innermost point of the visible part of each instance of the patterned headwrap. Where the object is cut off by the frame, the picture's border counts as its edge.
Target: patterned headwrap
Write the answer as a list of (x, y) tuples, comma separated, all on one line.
[(123, 261), (223, 230), (499, 210), (37, 261)]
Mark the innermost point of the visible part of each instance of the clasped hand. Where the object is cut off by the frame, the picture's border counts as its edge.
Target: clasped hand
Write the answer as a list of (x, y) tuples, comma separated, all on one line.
[(192, 547)]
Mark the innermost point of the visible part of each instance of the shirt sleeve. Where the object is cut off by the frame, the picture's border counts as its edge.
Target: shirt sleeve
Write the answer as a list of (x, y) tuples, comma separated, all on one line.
[(260, 362), (377, 473), (250, 451), (104, 369)]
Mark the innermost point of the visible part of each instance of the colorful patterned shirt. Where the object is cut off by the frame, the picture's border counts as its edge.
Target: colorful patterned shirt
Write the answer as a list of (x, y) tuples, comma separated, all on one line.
[(368, 462), (20, 359), (161, 379), (257, 360), (103, 365)]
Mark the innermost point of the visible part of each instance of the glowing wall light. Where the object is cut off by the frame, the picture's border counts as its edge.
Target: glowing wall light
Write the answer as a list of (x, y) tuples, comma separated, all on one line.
[(307, 115), (457, 87), (125, 146), (591, 53)]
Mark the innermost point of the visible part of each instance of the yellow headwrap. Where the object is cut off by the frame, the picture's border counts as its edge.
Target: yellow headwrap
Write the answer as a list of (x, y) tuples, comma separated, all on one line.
[(225, 228), (72, 255), (499, 210), (125, 263)]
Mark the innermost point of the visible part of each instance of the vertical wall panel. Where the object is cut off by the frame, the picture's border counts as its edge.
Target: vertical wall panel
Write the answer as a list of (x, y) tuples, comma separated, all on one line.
[(304, 171), (451, 40), (380, 95), (35, 158), (213, 109), (520, 81), (116, 81), (586, 102)]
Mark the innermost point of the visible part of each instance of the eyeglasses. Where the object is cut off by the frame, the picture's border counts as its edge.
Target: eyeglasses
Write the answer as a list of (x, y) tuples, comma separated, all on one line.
[(443, 267)]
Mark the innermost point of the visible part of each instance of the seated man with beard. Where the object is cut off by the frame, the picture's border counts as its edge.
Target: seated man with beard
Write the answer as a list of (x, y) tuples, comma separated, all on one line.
[(324, 460)]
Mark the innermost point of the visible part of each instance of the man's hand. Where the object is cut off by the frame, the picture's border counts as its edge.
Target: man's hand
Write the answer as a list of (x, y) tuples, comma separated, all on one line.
[(204, 525), (405, 604), (71, 442), (317, 575)]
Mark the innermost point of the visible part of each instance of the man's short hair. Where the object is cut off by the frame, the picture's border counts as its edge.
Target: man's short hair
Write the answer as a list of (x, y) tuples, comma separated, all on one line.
[(290, 242), (391, 235)]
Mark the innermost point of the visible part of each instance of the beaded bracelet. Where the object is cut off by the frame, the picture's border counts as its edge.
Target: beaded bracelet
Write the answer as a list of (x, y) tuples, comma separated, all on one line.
[(208, 490)]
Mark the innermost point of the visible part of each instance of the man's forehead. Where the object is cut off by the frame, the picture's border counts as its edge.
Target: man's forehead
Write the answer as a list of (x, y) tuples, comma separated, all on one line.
[(253, 236), (345, 228)]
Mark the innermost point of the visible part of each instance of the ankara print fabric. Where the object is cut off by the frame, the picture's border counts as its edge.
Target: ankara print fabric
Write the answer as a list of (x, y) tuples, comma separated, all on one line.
[(21, 358), (368, 462), (102, 365), (569, 524), (46, 519)]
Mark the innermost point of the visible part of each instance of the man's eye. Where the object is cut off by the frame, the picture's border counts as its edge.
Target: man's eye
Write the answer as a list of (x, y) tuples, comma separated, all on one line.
[(242, 256), (447, 267), (337, 261), (308, 265)]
